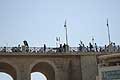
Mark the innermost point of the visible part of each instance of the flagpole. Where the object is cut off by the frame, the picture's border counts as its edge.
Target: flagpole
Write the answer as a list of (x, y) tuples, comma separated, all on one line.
[(66, 33), (108, 32)]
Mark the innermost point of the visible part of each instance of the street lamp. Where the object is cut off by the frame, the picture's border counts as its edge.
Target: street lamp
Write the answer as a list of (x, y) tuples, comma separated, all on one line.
[(108, 32), (65, 25), (66, 46)]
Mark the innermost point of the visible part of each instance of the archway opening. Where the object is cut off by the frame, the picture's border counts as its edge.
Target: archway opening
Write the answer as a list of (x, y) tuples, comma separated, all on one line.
[(5, 76), (46, 69), (38, 76), (6, 68)]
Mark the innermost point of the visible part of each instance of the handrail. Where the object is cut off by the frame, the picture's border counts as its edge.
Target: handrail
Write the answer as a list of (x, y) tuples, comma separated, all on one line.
[(57, 49)]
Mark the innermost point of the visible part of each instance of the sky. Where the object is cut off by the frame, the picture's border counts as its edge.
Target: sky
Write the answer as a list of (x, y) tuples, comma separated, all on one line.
[(41, 21), (4, 76), (34, 76)]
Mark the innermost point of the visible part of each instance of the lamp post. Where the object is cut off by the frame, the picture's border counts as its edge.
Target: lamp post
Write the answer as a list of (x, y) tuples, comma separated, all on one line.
[(66, 46), (66, 33), (108, 32)]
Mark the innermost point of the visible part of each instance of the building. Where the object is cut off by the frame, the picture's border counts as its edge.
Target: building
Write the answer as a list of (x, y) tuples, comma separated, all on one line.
[(109, 67)]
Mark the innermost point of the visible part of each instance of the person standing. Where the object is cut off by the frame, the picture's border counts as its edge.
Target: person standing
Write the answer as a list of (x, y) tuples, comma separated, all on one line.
[(91, 47), (96, 48), (44, 47)]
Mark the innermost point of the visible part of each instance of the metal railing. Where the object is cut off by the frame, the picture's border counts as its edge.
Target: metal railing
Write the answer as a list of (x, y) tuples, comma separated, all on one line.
[(60, 50)]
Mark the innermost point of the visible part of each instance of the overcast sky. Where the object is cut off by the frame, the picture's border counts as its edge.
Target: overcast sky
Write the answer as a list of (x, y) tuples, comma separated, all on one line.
[(41, 21)]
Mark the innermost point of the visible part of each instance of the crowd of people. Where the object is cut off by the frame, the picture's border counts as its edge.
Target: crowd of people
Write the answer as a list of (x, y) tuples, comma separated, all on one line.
[(64, 48), (94, 48)]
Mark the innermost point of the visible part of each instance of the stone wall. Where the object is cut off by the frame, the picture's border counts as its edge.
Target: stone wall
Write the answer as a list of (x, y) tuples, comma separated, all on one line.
[(89, 67)]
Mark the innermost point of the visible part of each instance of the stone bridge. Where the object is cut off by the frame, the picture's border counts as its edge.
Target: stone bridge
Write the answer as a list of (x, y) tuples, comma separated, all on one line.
[(56, 66)]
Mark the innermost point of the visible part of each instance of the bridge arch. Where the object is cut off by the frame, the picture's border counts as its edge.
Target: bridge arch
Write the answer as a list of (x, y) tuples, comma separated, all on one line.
[(45, 67), (9, 69)]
